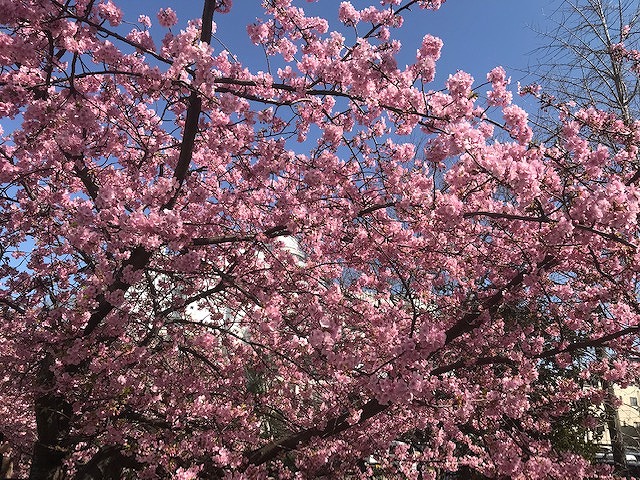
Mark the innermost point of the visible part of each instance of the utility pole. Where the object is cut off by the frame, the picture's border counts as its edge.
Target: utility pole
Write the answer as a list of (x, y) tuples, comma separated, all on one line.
[(613, 425)]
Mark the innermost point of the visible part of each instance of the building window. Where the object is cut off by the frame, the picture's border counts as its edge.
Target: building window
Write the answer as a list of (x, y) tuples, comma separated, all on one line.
[(634, 401)]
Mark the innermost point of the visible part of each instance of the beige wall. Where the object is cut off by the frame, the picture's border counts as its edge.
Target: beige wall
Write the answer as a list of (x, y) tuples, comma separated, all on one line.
[(628, 412)]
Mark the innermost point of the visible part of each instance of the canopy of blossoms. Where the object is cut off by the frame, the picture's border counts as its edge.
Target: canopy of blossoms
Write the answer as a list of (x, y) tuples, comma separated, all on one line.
[(219, 270)]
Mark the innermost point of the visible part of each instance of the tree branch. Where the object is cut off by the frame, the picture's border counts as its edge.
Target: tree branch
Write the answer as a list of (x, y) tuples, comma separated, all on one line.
[(333, 427), (339, 423), (273, 232), (508, 216), (491, 304), (13, 305)]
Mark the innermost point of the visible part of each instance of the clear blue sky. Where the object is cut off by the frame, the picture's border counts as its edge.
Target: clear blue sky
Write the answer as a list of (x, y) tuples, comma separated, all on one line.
[(478, 34)]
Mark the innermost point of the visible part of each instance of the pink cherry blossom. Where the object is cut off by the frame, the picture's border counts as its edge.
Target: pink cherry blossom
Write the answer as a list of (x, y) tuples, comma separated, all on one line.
[(218, 267), (167, 17), (109, 11)]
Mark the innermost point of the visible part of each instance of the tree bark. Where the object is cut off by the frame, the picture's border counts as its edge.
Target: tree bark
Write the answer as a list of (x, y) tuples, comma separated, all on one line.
[(53, 419), (108, 464)]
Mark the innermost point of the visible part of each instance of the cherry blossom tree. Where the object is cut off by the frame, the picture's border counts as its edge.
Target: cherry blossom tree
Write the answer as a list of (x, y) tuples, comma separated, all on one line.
[(589, 61), (220, 270)]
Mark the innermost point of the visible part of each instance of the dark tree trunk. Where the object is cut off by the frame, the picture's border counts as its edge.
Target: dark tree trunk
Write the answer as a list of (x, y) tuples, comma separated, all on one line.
[(108, 464), (53, 420)]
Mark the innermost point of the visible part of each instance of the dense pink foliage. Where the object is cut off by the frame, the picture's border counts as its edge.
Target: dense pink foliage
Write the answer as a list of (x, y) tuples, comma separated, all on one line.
[(222, 270)]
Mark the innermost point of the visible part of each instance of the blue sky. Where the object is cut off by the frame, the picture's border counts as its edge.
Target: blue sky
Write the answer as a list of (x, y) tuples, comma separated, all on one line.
[(478, 34)]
